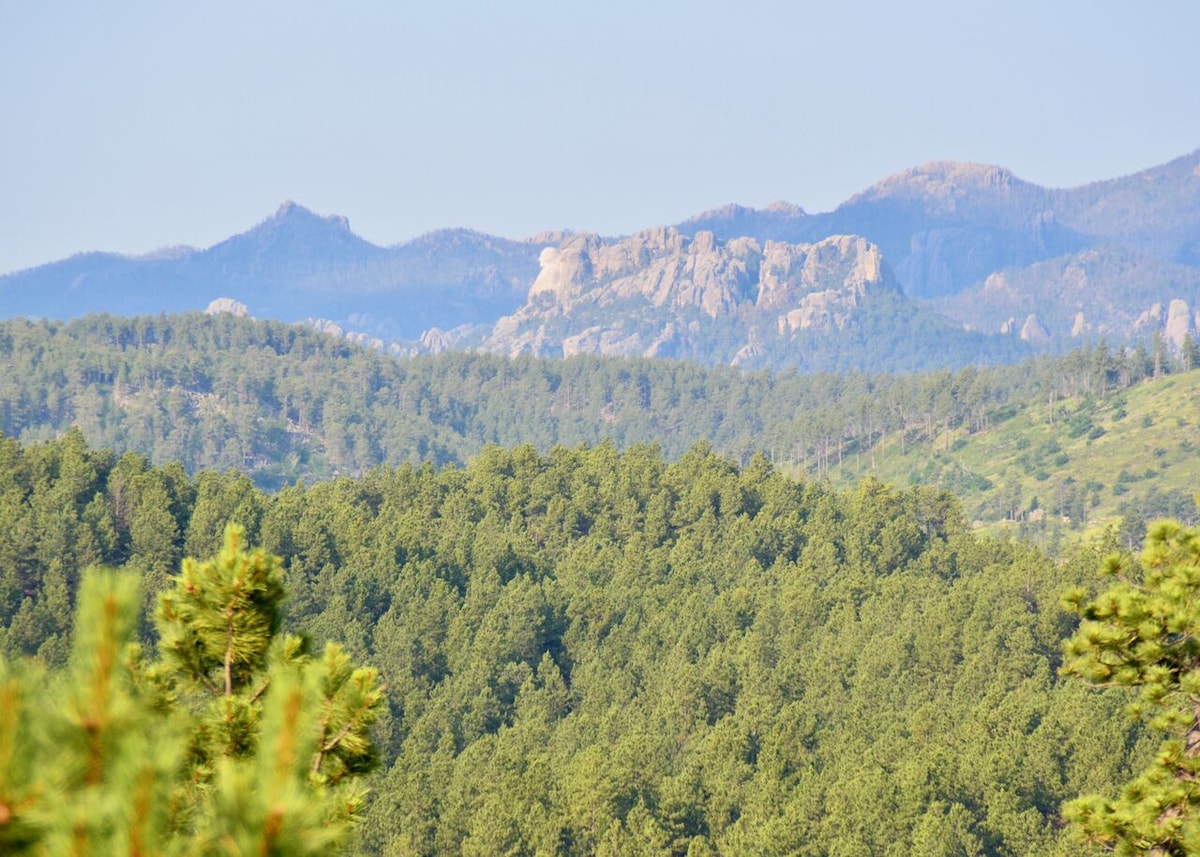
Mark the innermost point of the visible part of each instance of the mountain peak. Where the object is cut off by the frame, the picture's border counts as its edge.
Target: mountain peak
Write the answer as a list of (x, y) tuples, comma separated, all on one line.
[(965, 171), (782, 206), (734, 212), (292, 212), (293, 238), (936, 179)]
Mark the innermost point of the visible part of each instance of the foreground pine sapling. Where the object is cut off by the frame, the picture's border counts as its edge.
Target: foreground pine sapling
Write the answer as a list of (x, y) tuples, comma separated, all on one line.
[(1144, 633), (233, 741)]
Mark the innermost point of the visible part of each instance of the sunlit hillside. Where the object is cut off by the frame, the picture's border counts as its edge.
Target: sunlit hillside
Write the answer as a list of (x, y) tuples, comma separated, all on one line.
[(1071, 464)]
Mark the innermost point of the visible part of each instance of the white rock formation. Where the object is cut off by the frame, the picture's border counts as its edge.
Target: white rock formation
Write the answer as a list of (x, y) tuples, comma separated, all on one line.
[(1151, 318), (227, 305), (648, 294), (1034, 332), (1179, 323)]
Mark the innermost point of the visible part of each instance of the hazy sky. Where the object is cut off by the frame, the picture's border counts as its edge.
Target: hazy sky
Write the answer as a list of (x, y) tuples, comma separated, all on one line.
[(130, 126)]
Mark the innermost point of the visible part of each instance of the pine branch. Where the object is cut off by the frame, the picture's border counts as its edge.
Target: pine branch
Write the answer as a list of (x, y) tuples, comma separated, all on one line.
[(330, 745), (229, 658), (321, 747), (107, 657), (210, 685), (258, 693), (271, 830)]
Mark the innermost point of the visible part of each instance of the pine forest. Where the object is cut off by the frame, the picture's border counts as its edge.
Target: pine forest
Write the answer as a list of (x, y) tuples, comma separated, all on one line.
[(583, 650)]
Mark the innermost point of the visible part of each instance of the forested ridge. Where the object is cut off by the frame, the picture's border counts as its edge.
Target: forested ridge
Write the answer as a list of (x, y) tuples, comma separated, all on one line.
[(600, 651), (284, 402)]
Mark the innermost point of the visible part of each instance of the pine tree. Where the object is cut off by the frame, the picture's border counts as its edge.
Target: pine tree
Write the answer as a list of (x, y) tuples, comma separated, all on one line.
[(235, 741), (1189, 353), (85, 764), (1144, 633)]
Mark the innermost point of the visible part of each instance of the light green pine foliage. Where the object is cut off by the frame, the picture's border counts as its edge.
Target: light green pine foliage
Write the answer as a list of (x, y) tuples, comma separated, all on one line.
[(234, 742), (1144, 632), (95, 766), (216, 624)]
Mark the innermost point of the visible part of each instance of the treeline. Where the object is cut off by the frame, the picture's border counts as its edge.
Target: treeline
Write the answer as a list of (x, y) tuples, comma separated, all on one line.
[(283, 402), (594, 651)]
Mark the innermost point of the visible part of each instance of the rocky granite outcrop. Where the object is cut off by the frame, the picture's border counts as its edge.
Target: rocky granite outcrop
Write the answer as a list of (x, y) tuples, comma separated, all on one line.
[(1034, 332), (1179, 323), (662, 293), (226, 305), (1107, 291)]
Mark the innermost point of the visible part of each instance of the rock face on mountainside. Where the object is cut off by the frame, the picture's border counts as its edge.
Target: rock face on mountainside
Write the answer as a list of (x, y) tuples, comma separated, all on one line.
[(661, 293), (1107, 291), (226, 305)]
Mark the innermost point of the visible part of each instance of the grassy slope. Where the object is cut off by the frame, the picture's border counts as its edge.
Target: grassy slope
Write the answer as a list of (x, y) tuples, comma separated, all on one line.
[(1150, 439)]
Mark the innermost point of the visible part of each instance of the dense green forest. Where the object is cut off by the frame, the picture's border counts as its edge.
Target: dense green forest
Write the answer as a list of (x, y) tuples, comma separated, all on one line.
[(600, 651), (283, 402)]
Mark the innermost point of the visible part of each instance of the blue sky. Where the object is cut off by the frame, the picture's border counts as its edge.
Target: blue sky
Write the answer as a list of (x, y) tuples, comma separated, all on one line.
[(131, 126)]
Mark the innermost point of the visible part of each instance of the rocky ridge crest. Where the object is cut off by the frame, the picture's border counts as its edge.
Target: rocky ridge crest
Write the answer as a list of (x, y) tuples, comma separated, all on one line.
[(662, 293)]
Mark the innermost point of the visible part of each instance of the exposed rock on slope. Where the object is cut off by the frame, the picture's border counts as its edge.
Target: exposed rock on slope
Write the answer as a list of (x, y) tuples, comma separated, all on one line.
[(1179, 323), (1033, 331), (226, 305), (660, 265), (1106, 291), (662, 293)]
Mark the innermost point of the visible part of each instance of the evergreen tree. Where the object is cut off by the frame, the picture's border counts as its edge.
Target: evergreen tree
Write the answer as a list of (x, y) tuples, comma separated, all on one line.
[(1144, 633), (234, 741), (1189, 353)]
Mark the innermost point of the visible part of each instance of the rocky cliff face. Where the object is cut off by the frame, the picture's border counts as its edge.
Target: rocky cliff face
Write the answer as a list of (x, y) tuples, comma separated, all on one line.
[(661, 293), (1108, 291), (659, 265)]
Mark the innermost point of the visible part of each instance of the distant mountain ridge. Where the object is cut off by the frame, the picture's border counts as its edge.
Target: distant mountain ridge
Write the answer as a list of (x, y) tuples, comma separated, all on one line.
[(946, 227), (293, 265), (983, 248)]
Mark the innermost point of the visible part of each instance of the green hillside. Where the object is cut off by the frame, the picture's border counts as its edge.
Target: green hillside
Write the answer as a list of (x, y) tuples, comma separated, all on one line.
[(594, 652), (1072, 464), (283, 402)]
